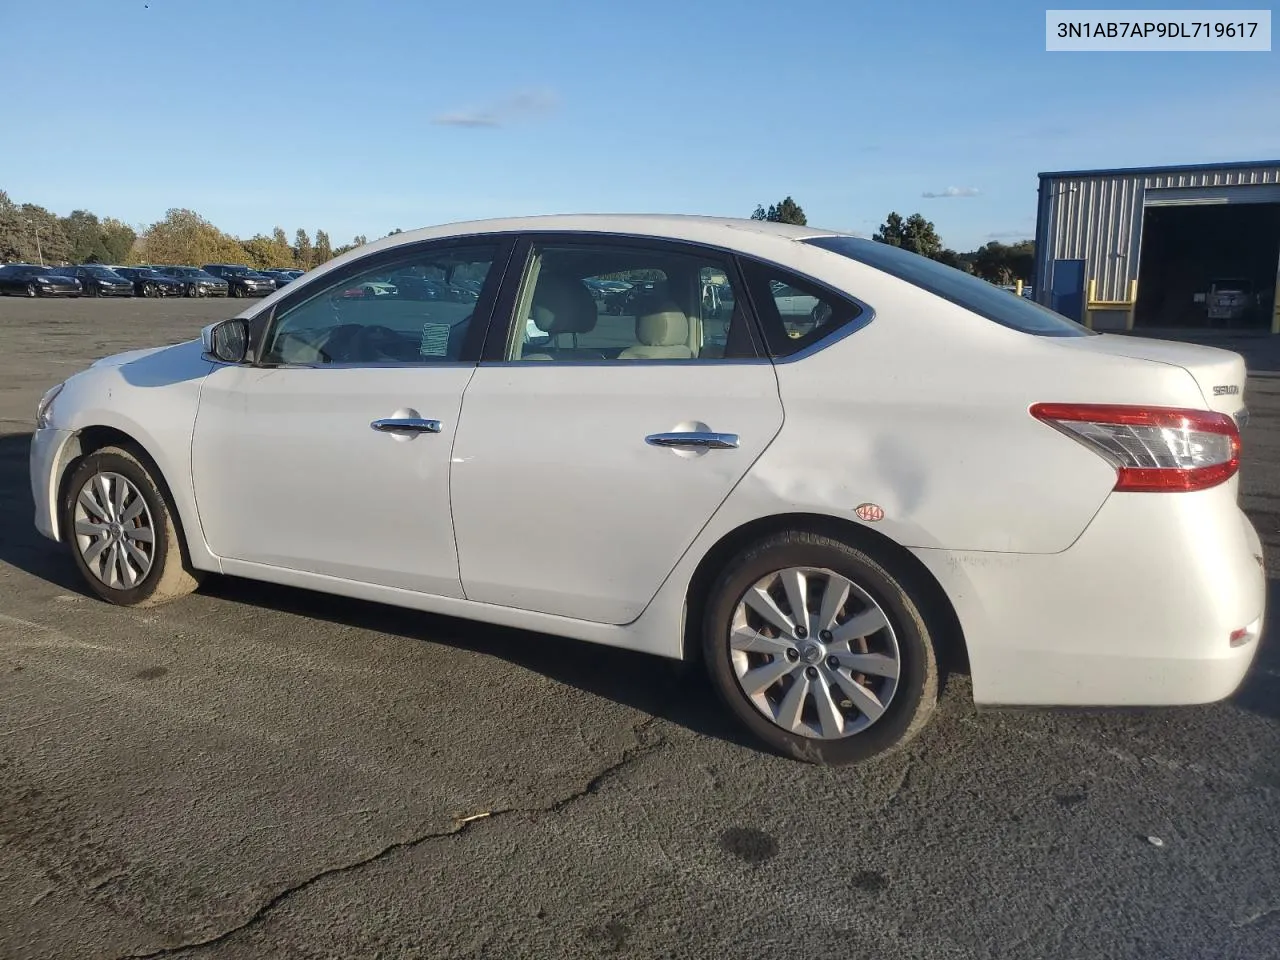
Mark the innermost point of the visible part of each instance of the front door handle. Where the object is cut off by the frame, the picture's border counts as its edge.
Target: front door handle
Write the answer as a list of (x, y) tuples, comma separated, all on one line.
[(406, 425), (695, 439)]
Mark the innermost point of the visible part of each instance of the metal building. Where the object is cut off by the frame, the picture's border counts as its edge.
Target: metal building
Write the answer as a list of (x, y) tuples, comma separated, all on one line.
[(1162, 247)]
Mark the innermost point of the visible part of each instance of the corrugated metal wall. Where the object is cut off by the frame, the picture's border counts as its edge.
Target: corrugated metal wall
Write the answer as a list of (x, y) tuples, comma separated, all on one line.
[(1099, 219)]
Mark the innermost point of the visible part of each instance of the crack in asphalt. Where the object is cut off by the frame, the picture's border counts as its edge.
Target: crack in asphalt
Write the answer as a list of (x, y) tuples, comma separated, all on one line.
[(642, 748), (1258, 915)]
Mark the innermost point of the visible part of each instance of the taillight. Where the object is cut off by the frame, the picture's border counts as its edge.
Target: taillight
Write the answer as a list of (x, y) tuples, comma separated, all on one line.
[(1154, 449)]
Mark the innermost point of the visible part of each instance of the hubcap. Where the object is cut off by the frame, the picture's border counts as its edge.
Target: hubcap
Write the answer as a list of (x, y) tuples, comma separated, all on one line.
[(114, 531), (826, 688)]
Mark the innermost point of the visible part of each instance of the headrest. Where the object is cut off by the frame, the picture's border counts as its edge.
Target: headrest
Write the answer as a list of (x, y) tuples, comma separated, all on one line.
[(563, 305), (662, 324)]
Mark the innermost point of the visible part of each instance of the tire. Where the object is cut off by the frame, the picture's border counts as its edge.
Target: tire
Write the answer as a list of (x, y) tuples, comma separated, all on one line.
[(907, 700), (169, 574), (32, 290), (237, 291), (149, 290)]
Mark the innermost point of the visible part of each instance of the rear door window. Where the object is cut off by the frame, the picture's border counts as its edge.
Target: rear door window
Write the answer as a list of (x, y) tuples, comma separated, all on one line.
[(794, 311)]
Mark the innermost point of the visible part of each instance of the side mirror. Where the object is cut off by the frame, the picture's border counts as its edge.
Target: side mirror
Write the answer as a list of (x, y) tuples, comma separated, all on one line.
[(227, 341)]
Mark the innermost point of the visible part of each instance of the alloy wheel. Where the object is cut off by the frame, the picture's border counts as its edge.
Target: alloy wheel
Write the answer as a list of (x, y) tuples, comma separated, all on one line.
[(114, 530), (814, 653)]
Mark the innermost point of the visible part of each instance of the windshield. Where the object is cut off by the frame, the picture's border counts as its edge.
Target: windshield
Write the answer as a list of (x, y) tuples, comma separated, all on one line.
[(973, 293), (100, 272)]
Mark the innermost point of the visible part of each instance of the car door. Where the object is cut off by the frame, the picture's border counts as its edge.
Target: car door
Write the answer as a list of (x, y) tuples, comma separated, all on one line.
[(329, 453), (595, 446)]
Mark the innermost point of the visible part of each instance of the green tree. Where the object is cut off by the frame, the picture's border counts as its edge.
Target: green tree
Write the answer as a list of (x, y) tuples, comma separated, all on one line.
[(11, 242), (84, 234), (324, 249), (891, 231), (787, 211), (117, 240), (302, 253), (920, 236), (44, 235), (185, 237), (915, 233), (1003, 264), (358, 241), (266, 254)]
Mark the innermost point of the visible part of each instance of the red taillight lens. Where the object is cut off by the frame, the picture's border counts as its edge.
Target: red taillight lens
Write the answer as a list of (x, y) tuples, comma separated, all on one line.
[(1154, 449)]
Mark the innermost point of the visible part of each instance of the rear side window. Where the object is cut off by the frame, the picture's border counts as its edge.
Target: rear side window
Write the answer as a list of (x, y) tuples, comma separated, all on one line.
[(965, 290), (795, 312)]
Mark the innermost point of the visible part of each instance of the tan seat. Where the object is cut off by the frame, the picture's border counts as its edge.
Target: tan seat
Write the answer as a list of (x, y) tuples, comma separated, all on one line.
[(561, 305), (663, 331)]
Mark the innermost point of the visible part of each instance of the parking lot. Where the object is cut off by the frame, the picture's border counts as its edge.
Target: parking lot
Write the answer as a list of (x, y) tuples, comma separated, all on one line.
[(259, 771)]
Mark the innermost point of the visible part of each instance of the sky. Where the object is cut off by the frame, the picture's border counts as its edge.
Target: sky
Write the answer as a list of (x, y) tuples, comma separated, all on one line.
[(358, 118)]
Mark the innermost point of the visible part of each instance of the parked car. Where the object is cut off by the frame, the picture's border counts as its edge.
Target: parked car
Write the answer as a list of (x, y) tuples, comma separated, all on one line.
[(97, 280), (242, 281), (935, 472), (152, 283), (281, 277), (196, 282), (28, 280)]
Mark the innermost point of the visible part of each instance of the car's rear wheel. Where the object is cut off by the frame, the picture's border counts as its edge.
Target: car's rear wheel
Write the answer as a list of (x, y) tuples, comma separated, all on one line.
[(820, 650), (120, 528)]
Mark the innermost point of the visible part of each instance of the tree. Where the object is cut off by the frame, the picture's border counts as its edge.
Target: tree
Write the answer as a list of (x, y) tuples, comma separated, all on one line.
[(914, 233), (185, 237), (11, 241), (788, 211), (266, 253), (394, 232), (891, 231), (1003, 264), (84, 234), (358, 241), (302, 250), (117, 240), (324, 249), (45, 239), (920, 236)]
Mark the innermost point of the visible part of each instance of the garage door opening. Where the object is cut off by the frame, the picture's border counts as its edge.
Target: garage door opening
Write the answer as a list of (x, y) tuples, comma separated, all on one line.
[(1209, 266)]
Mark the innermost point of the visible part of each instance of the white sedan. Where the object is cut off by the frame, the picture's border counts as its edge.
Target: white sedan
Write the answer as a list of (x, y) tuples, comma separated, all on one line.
[(930, 472)]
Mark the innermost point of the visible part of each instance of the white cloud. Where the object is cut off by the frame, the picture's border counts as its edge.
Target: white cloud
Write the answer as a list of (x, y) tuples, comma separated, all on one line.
[(951, 192), (525, 104)]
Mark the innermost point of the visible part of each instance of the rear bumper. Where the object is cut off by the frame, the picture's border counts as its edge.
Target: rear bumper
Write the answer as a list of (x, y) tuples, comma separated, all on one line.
[(1140, 611)]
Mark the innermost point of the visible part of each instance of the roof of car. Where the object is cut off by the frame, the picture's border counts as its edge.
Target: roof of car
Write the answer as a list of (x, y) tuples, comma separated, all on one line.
[(675, 226)]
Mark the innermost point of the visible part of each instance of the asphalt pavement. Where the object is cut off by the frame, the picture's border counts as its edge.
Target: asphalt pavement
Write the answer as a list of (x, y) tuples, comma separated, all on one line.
[(255, 771)]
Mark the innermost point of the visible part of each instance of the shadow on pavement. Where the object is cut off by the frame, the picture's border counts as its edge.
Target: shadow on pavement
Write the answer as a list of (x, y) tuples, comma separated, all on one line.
[(677, 692), (656, 686)]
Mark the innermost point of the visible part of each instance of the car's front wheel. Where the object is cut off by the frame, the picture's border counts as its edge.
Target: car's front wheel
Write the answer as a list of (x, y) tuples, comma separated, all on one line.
[(237, 291), (32, 290), (121, 531), (819, 649)]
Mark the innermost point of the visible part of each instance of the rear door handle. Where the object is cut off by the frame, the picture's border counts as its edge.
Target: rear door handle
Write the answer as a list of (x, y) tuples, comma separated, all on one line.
[(699, 440), (406, 425)]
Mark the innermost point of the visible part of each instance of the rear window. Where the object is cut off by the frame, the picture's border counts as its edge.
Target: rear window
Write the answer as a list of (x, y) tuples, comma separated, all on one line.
[(972, 293)]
